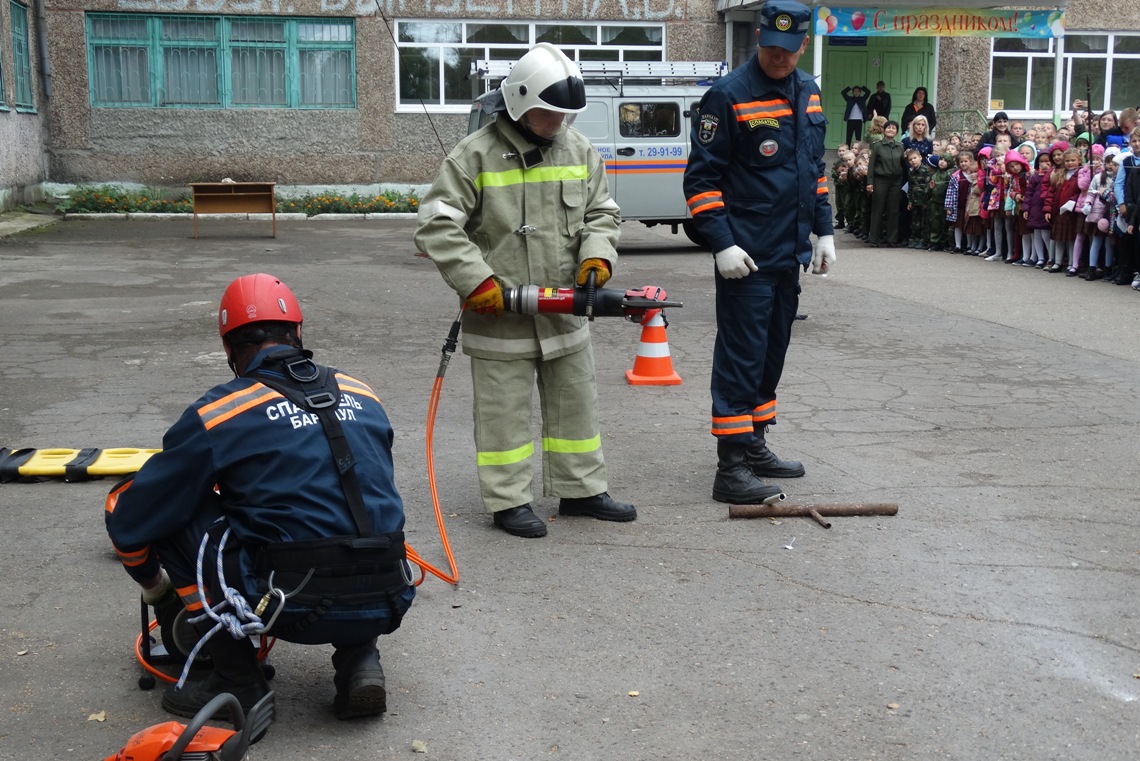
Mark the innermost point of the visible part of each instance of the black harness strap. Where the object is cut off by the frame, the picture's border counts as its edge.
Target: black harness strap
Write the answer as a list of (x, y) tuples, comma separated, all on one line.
[(76, 470), (10, 462), (319, 393)]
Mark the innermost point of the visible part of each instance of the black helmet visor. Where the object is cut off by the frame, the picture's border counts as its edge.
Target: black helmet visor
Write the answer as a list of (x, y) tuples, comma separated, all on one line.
[(568, 94)]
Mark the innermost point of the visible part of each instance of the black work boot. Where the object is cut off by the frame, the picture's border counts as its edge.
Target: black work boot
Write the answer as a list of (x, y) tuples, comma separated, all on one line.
[(235, 671), (764, 463), (735, 483), (359, 682), (601, 506), (520, 521)]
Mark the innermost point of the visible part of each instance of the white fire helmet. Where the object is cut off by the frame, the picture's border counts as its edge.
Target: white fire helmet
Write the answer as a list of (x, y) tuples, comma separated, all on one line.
[(544, 78)]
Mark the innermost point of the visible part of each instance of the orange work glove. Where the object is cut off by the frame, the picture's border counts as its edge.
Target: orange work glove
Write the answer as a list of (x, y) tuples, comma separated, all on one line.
[(487, 298), (600, 266)]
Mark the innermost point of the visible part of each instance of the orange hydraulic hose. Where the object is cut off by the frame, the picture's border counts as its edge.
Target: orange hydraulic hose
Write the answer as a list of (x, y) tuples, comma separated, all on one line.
[(433, 407)]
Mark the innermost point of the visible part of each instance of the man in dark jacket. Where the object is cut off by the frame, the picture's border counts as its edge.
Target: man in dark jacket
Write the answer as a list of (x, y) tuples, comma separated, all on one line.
[(855, 113), (286, 472), (756, 184), (879, 104)]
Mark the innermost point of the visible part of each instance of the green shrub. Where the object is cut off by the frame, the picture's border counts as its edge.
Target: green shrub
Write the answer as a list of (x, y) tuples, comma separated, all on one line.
[(336, 203), (111, 199)]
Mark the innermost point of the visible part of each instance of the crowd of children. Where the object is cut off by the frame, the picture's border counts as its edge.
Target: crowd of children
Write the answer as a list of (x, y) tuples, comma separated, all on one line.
[(1027, 197)]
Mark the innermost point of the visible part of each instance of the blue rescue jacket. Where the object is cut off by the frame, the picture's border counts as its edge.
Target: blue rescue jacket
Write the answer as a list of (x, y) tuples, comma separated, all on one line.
[(272, 465), (756, 177)]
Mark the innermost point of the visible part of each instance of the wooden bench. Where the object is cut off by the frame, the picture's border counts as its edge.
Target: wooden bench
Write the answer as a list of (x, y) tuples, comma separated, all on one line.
[(234, 198)]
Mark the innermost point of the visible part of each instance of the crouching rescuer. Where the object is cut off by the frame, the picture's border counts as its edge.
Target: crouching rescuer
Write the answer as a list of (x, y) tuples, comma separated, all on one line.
[(286, 473)]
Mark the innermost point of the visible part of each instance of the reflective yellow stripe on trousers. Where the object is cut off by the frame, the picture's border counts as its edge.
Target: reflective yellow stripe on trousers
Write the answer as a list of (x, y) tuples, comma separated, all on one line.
[(572, 446), (508, 457)]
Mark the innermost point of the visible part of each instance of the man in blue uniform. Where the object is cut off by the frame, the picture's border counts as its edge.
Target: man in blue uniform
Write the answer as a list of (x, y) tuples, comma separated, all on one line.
[(756, 186), (288, 467)]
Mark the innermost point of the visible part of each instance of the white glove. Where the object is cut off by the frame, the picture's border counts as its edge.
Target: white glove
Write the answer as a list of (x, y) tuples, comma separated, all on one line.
[(734, 262), (1086, 209), (1068, 206), (157, 588), (824, 255)]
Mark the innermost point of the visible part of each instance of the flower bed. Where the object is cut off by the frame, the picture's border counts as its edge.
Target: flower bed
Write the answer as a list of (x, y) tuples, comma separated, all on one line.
[(111, 199)]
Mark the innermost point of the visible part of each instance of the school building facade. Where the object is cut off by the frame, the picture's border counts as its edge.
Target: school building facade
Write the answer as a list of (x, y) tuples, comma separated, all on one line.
[(365, 93)]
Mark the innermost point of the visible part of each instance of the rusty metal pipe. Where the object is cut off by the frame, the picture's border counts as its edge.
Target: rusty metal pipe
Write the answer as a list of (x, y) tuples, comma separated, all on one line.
[(814, 511)]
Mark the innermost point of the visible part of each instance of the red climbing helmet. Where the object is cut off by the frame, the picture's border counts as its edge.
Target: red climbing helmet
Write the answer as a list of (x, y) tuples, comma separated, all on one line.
[(257, 298)]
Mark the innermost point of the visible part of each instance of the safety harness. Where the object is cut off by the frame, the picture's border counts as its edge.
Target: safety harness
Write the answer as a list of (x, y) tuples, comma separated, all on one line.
[(341, 570)]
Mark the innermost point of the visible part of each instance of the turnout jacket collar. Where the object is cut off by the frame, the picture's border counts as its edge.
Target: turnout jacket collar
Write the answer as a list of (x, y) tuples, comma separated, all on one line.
[(260, 358), (531, 154)]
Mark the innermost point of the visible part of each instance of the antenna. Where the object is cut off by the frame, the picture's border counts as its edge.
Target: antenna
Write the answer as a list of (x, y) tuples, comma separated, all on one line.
[(396, 44)]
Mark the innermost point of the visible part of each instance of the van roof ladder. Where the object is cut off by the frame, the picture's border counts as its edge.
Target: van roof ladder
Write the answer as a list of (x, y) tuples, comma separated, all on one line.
[(486, 69)]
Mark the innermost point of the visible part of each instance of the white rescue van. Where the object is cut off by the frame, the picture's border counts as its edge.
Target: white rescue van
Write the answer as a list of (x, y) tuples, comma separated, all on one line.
[(638, 115)]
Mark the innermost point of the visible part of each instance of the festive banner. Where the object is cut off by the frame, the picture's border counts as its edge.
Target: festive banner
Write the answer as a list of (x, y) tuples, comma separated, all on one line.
[(937, 22)]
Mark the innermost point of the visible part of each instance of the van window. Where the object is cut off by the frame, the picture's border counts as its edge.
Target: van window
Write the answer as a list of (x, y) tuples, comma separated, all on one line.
[(594, 122), (649, 119)]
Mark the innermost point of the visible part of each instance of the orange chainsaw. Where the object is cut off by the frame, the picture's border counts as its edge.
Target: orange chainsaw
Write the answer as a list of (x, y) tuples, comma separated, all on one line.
[(172, 741)]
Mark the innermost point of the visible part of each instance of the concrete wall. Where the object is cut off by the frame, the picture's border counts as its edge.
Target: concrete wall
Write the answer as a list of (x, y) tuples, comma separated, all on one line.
[(963, 76), (371, 144), (22, 135)]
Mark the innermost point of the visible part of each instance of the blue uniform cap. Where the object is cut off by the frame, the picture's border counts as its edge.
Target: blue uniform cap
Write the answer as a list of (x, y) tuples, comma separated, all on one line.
[(784, 23)]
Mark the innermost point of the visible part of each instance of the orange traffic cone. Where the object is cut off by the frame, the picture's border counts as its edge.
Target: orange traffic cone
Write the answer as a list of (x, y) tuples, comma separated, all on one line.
[(653, 366)]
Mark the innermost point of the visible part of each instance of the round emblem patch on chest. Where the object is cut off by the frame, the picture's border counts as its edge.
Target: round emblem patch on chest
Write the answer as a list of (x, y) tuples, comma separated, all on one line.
[(769, 148), (783, 22)]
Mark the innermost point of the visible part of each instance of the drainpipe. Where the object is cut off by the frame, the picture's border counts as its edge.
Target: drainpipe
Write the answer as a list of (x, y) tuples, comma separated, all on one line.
[(728, 51), (818, 41), (1058, 77), (45, 64)]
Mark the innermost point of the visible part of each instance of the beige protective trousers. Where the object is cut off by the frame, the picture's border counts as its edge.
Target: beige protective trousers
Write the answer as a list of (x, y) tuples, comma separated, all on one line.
[(572, 464)]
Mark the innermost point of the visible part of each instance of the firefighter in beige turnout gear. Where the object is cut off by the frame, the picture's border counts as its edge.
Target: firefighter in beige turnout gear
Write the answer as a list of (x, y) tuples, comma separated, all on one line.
[(522, 201)]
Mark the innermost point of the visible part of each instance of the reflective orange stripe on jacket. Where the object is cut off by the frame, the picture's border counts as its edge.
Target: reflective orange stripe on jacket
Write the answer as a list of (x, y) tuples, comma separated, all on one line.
[(216, 413), (133, 559), (137, 557), (348, 383), (705, 201), (762, 109), (113, 498), (191, 598)]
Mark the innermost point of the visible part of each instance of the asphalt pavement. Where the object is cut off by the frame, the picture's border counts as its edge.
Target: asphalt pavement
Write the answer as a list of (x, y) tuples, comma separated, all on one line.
[(994, 617)]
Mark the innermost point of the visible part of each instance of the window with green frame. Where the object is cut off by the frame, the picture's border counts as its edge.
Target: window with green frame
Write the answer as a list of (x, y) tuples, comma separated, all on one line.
[(21, 57), (184, 61)]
